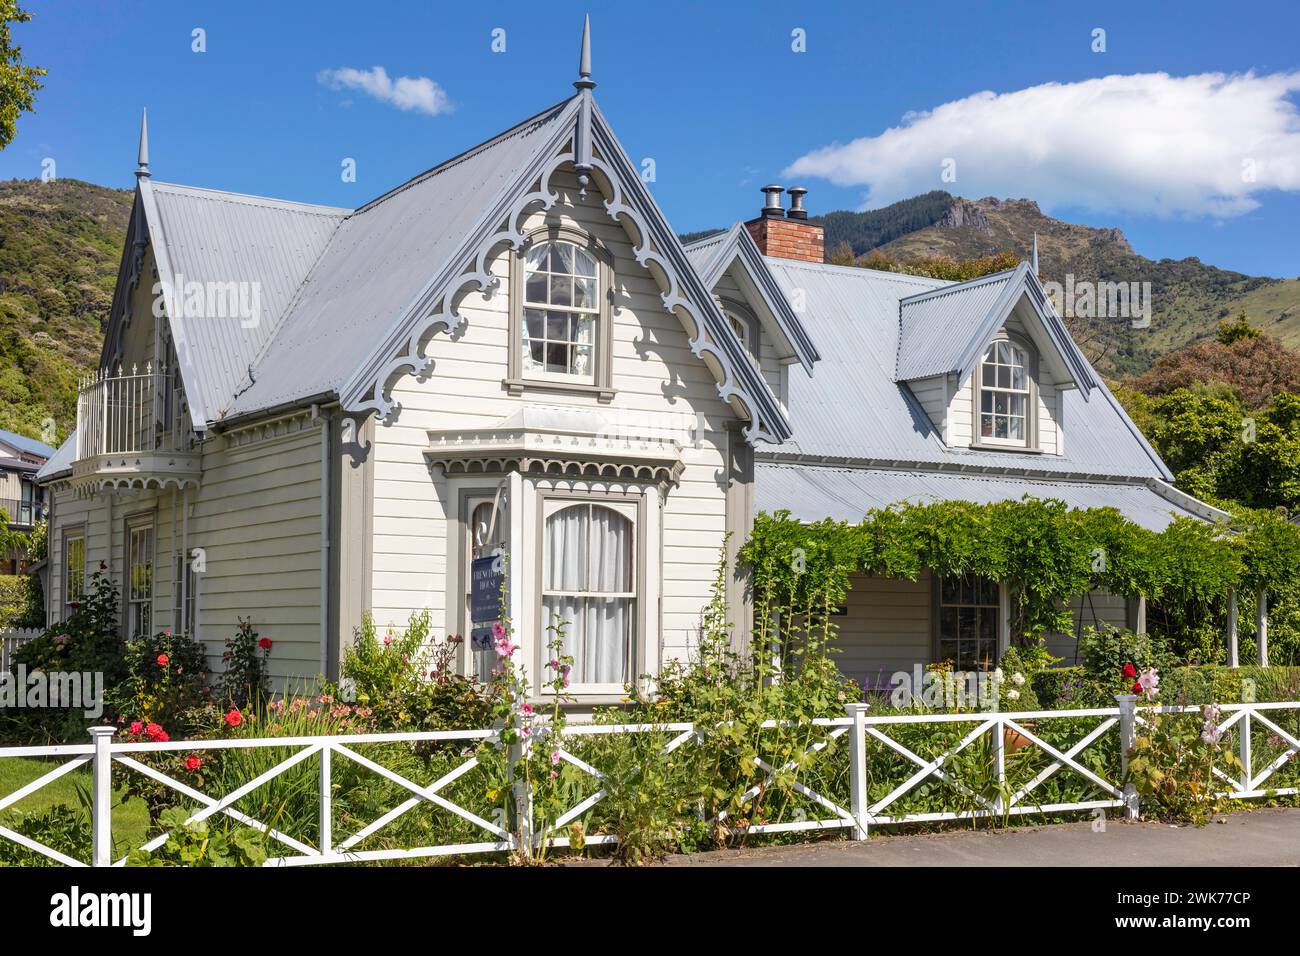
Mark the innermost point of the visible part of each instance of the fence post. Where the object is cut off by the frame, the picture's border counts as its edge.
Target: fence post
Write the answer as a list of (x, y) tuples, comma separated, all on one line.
[(523, 795), (1000, 761), (101, 817), (1127, 741), (858, 770), (326, 803)]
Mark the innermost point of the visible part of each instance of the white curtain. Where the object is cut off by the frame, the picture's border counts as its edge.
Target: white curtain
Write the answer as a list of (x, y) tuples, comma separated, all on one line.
[(588, 560)]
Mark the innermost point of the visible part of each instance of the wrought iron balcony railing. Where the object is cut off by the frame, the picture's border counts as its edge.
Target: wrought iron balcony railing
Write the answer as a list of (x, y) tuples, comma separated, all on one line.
[(128, 414)]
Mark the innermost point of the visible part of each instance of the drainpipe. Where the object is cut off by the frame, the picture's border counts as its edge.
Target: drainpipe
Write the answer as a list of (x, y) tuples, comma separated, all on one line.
[(319, 416), (1261, 627), (1232, 628)]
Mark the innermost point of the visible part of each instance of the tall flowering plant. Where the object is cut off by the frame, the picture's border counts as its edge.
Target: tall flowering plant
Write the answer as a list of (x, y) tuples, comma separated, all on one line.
[(1173, 761)]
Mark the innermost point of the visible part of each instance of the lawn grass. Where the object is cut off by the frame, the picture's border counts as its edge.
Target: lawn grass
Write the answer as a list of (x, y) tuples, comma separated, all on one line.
[(130, 821)]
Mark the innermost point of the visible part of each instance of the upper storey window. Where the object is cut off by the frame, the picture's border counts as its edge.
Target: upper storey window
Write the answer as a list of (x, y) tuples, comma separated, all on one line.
[(560, 316), (1005, 406), (561, 296)]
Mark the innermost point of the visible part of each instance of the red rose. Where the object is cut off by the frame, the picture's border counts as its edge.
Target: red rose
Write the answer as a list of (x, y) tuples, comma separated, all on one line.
[(136, 728), (264, 643), (1130, 672), (193, 763), (234, 718), (1137, 687), (163, 660), (162, 737), (154, 731)]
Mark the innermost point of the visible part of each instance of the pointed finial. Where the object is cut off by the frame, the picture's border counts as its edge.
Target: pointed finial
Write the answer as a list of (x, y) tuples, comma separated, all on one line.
[(1034, 262), (142, 170), (584, 81)]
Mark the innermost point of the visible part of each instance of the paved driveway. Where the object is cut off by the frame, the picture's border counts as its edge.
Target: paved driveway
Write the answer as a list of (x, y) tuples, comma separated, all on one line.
[(1265, 837)]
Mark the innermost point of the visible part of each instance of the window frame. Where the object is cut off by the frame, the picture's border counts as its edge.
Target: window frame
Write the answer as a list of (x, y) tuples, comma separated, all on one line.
[(188, 622), (133, 524), (1030, 441), (998, 609), (752, 339), (77, 533), (631, 504), (517, 381)]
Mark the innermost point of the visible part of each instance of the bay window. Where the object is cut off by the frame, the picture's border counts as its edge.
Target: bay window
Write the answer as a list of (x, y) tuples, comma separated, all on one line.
[(589, 587)]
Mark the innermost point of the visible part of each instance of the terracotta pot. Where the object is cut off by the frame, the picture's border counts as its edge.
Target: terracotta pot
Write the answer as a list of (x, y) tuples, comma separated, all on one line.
[(1013, 740)]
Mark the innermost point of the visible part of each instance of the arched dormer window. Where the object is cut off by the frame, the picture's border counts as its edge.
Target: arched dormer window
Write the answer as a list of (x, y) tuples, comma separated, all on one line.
[(1007, 401), (560, 315), (745, 324)]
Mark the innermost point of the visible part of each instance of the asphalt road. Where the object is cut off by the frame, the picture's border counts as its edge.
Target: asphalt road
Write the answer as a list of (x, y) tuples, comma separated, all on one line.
[(1267, 837)]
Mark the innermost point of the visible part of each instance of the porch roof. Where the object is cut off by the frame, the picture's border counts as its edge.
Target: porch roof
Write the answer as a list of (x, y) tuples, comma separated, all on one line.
[(812, 493)]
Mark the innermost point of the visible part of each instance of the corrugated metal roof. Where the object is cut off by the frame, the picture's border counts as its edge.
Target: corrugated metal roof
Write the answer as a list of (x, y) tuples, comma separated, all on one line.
[(852, 408), (29, 446), (377, 262), (219, 237), (930, 337), (811, 493), (61, 460)]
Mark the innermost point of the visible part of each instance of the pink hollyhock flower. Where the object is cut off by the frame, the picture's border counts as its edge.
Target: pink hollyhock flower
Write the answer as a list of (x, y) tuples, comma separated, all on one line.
[(527, 710), (555, 757), (388, 639), (1149, 681)]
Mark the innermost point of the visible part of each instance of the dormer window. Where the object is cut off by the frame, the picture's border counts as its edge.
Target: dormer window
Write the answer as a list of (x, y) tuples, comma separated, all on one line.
[(1006, 404), (560, 315), (745, 324)]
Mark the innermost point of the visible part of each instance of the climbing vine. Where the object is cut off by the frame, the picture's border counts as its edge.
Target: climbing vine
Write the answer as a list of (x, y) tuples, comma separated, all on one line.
[(1047, 552)]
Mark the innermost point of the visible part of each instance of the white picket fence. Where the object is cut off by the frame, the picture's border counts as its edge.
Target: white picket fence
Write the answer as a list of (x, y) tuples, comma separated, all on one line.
[(103, 756), (10, 640)]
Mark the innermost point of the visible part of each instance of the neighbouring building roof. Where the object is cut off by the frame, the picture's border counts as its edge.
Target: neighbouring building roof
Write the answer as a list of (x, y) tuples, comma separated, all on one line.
[(25, 445), (846, 494), (854, 410)]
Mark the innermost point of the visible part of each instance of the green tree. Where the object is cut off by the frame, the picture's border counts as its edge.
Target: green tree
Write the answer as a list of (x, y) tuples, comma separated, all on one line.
[(1239, 330), (18, 82)]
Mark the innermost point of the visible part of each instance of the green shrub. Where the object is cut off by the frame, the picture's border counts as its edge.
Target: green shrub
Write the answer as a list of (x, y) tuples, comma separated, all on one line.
[(20, 601), (202, 844), (244, 681)]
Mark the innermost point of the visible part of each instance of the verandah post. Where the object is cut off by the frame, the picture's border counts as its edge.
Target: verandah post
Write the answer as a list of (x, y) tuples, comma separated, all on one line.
[(858, 770), (1232, 628), (101, 815), (1127, 741)]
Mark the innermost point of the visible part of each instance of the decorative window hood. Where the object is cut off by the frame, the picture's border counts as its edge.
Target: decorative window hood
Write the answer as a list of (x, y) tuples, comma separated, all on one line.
[(563, 442)]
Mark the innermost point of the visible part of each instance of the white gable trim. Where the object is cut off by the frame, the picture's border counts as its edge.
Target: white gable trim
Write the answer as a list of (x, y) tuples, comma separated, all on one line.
[(402, 351)]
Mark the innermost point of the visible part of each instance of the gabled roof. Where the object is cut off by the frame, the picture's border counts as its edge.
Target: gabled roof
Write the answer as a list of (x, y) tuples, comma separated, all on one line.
[(854, 410), (28, 446), (714, 255), (206, 235), (946, 330), (380, 261)]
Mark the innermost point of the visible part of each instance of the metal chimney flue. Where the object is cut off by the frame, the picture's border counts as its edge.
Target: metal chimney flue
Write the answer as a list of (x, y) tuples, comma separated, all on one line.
[(797, 211), (772, 208)]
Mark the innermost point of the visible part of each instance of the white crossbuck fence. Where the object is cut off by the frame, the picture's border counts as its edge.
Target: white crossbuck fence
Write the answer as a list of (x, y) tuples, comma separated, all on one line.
[(1003, 734)]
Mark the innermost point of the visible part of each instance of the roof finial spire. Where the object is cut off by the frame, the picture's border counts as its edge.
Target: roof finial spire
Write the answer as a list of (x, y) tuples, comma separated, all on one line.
[(1034, 263), (142, 170), (584, 81)]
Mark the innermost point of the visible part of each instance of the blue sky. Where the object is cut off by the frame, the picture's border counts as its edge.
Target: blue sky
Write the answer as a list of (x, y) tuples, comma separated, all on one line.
[(714, 94)]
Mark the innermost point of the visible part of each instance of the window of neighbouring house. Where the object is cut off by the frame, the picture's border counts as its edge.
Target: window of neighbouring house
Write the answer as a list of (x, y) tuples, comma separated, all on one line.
[(184, 601), (74, 571), (968, 612), (589, 583), (1005, 398), (561, 311), (139, 582)]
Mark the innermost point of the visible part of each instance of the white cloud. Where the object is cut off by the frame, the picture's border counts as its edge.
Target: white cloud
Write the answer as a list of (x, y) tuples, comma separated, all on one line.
[(1148, 143), (417, 93)]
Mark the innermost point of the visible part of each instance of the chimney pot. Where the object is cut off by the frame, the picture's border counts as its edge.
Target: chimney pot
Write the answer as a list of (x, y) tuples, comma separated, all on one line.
[(797, 211), (772, 207)]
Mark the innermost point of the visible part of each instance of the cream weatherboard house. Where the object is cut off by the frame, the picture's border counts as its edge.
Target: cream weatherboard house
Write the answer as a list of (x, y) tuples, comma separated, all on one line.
[(306, 414)]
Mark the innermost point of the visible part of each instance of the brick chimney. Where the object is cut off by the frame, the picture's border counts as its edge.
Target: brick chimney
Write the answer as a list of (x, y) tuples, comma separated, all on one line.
[(787, 235)]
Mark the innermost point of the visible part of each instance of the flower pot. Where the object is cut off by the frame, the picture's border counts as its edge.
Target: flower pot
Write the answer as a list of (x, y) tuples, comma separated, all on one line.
[(1013, 740)]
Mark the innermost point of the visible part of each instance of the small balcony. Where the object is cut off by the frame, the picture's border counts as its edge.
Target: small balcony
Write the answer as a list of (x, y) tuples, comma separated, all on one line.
[(133, 432), (22, 513)]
